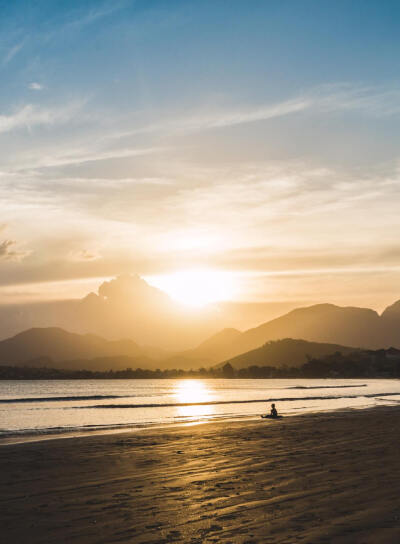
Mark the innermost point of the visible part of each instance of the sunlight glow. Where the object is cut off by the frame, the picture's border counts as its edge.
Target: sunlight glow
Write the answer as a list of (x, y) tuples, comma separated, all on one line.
[(196, 287), (189, 413), (188, 391)]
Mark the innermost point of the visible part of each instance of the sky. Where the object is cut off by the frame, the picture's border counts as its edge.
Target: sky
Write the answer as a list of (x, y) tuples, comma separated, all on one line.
[(257, 142)]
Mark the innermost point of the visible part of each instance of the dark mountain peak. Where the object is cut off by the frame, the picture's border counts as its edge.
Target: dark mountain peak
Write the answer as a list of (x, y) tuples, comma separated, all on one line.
[(392, 311), (54, 334), (322, 307), (326, 308), (61, 345), (290, 352), (38, 332), (312, 315)]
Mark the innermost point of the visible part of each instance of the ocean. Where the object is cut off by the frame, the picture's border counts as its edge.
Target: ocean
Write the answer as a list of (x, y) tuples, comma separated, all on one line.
[(31, 410)]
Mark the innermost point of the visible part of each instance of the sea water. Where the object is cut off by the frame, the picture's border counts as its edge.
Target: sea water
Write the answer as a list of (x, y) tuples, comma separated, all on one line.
[(43, 408)]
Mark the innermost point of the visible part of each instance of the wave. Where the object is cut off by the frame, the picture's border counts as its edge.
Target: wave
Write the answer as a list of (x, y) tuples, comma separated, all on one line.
[(61, 399), (326, 386), (219, 402), (6, 433), (73, 398), (74, 430), (183, 404)]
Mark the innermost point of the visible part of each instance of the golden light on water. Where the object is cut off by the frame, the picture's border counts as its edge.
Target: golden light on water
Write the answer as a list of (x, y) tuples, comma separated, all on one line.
[(193, 391), (195, 411), (188, 391)]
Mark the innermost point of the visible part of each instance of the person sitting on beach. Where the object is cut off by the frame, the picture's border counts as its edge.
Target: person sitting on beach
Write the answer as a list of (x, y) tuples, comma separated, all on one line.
[(274, 412)]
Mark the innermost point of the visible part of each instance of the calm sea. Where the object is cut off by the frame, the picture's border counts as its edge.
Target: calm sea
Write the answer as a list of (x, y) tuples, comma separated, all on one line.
[(41, 408)]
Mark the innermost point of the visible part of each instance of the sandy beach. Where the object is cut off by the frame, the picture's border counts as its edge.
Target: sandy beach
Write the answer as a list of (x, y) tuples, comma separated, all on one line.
[(329, 478)]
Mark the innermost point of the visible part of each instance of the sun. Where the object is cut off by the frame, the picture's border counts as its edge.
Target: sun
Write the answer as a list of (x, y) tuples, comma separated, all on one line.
[(196, 287)]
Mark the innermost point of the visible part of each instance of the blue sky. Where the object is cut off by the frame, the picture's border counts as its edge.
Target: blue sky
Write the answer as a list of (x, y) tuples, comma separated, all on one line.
[(176, 51), (256, 137)]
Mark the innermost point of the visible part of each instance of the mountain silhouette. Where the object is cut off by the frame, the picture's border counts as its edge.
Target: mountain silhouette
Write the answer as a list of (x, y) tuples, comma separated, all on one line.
[(321, 323), (327, 323), (286, 352), (60, 345), (128, 307), (391, 319)]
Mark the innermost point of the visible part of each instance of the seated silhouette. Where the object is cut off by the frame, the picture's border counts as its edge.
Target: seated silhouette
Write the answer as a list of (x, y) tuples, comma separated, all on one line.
[(273, 413)]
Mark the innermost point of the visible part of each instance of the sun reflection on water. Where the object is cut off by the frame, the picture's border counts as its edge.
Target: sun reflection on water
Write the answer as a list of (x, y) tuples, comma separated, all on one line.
[(193, 391)]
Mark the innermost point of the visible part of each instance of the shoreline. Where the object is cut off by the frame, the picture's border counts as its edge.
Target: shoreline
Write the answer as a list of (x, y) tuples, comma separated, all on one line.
[(56, 434), (60, 435), (329, 477), (70, 411)]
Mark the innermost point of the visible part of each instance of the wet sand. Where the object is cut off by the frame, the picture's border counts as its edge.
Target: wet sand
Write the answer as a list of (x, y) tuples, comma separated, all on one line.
[(328, 478)]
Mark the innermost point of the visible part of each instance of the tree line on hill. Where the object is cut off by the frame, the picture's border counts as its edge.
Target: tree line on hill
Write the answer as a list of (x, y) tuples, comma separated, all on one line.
[(357, 364)]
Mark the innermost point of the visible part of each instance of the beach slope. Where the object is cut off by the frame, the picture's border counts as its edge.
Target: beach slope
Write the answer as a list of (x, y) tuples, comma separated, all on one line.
[(328, 478)]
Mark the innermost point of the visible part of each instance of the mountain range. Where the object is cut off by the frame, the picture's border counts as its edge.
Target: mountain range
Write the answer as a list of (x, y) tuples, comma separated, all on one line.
[(334, 326), (56, 348), (129, 307), (327, 323), (59, 345)]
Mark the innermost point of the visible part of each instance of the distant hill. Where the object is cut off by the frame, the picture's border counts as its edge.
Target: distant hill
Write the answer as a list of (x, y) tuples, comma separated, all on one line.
[(322, 323), (319, 323), (211, 350), (327, 323), (59, 345), (287, 352)]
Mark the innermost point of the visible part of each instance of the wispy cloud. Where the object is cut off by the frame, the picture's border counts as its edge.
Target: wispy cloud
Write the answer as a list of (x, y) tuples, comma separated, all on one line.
[(81, 156), (375, 101), (9, 251), (30, 115), (12, 52), (94, 14), (78, 19), (242, 116), (85, 255), (367, 99), (218, 119)]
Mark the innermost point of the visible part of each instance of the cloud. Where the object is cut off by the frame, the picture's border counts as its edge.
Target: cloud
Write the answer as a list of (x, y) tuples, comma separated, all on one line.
[(370, 100), (79, 157), (375, 101), (242, 116), (29, 116), (85, 255), (78, 19), (12, 52), (89, 17), (34, 86), (34, 164), (9, 252), (219, 119)]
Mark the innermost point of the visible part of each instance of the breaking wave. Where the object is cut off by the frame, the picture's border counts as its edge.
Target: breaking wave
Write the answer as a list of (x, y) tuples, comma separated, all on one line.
[(246, 401)]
